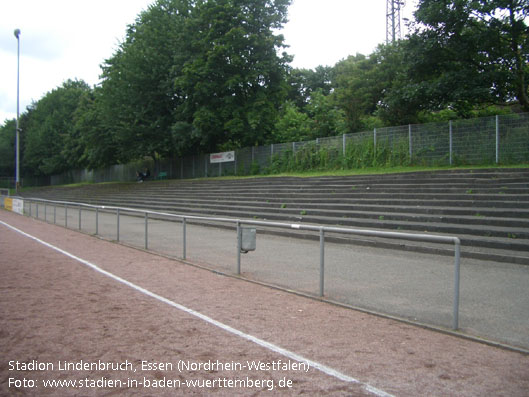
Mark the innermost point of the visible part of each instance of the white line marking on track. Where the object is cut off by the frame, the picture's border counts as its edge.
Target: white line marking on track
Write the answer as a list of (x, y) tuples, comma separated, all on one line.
[(270, 346)]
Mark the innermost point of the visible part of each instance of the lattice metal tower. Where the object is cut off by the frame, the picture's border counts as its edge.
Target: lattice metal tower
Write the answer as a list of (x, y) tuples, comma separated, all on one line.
[(393, 32)]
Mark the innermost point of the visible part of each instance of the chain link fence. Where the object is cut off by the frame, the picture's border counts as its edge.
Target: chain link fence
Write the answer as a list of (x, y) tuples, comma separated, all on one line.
[(7, 182), (481, 141)]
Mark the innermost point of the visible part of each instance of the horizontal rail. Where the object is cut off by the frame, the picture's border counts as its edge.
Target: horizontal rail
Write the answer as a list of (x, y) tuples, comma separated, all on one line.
[(296, 226)]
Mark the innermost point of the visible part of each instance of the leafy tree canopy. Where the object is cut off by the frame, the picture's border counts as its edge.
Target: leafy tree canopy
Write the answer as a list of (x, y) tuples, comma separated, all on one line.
[(232, 82), (137, 99), (465, 53), (7, 151), (194, 75), (51, 143), (303, 82)]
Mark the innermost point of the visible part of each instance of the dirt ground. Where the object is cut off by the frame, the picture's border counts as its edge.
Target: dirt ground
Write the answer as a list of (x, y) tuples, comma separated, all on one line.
[(58, 314)]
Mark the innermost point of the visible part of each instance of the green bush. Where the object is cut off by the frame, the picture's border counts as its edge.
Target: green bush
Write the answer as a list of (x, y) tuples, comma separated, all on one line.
[(358, 155)]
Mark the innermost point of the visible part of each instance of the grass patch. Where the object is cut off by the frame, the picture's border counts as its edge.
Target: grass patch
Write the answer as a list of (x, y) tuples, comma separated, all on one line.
[(373, 171)]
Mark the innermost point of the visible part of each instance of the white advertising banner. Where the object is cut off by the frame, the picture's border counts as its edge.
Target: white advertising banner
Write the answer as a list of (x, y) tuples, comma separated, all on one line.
[(18, 206), (223, 157)]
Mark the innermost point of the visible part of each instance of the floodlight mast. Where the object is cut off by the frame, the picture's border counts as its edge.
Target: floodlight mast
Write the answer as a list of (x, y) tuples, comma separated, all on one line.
[(393, 31), (17, 143)]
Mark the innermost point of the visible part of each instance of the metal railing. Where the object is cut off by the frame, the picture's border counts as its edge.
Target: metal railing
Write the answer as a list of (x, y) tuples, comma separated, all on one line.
[(238, 225)]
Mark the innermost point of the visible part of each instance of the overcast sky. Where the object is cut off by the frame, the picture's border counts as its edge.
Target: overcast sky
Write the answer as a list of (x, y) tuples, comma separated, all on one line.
[(70, 39)]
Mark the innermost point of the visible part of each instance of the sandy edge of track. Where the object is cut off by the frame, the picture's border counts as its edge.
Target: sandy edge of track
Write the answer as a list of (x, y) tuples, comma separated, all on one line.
[(58, 309)]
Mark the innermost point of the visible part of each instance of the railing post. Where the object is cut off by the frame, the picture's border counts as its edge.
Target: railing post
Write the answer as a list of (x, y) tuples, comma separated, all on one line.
[(374, 142), (146, 230), (66, 215), (322, 261), (117, 224), (450, 138), (239, 246), (45, 212), (97, 221), (37, 210), (79, 217), (184, 242), (181, 168), (411, 142), (497, 139), (457, 268), (54, 214)]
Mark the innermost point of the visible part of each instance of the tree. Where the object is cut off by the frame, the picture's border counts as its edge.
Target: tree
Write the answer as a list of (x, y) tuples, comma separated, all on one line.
[(468, 53), (52, 145), (359, 85), (195, 75), (327, 118), (137, 99), (292, 126), (401, 97), (7, 148), (232, 81), (98, 141), (303, 82)]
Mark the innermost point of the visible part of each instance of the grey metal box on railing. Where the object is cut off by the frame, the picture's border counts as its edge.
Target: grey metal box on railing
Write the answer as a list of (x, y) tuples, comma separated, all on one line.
[(248, 239)]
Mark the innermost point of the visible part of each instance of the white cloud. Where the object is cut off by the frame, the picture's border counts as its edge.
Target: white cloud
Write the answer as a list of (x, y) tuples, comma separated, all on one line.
[(68, 39), (59, 40), (324, 32)]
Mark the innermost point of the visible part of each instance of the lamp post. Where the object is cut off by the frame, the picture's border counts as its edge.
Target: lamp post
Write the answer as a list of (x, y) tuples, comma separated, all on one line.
[(17, 143)]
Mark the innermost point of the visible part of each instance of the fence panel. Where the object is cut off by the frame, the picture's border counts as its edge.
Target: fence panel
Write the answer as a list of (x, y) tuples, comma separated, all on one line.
[(262, 157), (487, 140), (473, 141), (7, 182), (332, 150), (431, 144), (186, 168), (244, 162), (513, 138)]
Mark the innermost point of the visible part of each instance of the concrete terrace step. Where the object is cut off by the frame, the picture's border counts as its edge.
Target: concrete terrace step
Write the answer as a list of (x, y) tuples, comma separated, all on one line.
[(321, 195), (514, 237), (356, 190), (485, 217), (325, 186), (434, 203), (300, 183), (514, 243), (415, 224), (487, 209), (370, 208), (426, 207)]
